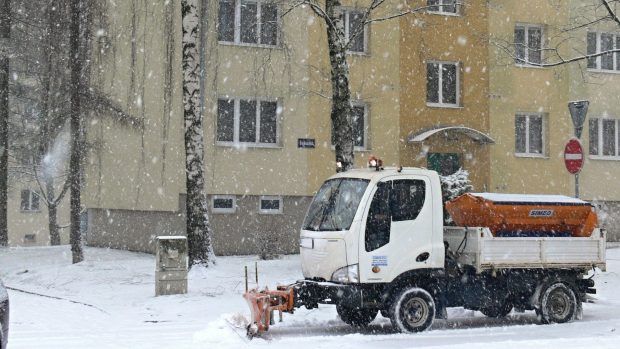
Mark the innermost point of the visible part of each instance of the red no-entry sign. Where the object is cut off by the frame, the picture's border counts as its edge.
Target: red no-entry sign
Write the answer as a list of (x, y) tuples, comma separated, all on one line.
[(573, 156)]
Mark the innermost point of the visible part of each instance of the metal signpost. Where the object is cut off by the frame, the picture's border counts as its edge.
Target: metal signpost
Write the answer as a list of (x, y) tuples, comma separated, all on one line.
[(573, 152)]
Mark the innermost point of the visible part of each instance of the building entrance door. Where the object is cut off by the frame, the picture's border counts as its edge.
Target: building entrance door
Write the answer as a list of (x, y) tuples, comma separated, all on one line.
[(444, 163)]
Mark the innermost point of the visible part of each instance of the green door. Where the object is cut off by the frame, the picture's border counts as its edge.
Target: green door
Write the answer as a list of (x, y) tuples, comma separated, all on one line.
[(444, 163)]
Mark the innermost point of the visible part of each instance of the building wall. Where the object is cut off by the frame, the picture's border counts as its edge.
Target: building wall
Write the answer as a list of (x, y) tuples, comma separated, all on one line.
[(136, 163), (437, 37), (602, 90), (515, 89), (31, 228), (244, 231), (374, 81)]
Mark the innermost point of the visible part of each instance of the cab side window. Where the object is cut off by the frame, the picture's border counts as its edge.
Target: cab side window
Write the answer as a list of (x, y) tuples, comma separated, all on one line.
[(407, 199), (379, 221)]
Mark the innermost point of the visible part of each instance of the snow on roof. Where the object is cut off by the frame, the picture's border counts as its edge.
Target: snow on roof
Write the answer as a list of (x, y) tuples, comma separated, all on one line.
[(554, 199), (173, 237)]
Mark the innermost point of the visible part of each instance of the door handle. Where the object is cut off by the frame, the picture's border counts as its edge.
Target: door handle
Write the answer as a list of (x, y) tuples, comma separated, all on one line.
[(422, 257)]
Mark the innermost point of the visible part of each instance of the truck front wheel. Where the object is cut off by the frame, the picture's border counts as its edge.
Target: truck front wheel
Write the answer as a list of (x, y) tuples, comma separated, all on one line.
[(558, 303), (412, 310), (356, 317)]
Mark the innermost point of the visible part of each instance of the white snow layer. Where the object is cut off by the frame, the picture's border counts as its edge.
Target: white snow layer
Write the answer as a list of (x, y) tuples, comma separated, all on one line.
[(553, 199), (108, 302)]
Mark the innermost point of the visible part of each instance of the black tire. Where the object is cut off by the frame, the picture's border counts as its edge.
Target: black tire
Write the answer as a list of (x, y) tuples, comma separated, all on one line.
[(498, 308), (412, 310), (558, 303), (385, 313), (356, 317)]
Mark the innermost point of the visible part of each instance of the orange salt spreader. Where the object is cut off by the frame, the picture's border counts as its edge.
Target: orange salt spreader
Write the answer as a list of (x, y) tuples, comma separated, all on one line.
[(515, 215)]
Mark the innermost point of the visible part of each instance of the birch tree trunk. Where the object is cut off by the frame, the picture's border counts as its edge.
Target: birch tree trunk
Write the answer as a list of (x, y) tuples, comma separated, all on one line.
[(198, 227), (76, 131), (341, 91), (5, 35)]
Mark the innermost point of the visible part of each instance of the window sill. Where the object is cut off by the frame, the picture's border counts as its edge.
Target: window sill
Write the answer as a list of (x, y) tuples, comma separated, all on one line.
[(526, 66), (355, 149), (604, 157), (248, 45), (442, 13), (603, 71), (531, 156), (240, 146), (216, 211), (358, 54), (269, 212), (440, 105)]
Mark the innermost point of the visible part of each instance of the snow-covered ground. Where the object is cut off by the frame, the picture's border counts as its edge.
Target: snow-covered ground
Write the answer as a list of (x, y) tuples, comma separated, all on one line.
[(108, 302)]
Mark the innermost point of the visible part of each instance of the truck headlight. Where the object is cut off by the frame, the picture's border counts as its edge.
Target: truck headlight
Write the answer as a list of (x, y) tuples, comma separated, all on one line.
[(349, 273)]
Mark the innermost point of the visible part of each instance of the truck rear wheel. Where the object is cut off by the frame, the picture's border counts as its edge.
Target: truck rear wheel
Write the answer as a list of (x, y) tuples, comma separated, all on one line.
[(412, 310), (558, 303), (356, 317)]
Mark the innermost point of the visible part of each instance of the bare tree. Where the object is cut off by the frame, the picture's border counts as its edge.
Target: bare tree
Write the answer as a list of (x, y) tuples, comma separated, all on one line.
[(198, 227), (76, 13), (5, 35), (339, 41)]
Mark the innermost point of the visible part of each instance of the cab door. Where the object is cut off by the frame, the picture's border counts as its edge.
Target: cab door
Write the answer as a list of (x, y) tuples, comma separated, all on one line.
[(397, 229)]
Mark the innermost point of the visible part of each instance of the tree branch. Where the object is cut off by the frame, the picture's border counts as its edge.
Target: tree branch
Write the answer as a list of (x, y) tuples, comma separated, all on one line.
[(611, 12)]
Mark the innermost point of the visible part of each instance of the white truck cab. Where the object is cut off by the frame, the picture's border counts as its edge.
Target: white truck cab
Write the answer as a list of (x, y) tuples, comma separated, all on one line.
[(368, 226)]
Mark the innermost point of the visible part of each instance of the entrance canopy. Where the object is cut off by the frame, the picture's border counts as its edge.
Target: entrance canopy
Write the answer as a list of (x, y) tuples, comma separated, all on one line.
[(475, 135)]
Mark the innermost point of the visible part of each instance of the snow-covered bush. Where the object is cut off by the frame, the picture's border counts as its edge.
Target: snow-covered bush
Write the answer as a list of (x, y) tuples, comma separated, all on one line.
[(453, 186)]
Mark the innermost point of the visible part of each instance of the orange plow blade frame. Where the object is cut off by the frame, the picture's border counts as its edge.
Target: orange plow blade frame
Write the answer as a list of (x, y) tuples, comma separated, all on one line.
[(264, 303)]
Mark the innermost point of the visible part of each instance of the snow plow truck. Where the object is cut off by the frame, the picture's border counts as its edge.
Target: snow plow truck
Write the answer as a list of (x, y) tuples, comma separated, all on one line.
[(373, 240)]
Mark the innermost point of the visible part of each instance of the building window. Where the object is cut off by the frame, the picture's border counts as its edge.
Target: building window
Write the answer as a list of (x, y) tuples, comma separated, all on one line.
[(444, 6), (528, 44), (29, 201), (530, 135), (355, 30), (359, 120), (602, 42), (604, 137), (442, 84), (247, 121), (223, 204), (252, 22), (270, 205)]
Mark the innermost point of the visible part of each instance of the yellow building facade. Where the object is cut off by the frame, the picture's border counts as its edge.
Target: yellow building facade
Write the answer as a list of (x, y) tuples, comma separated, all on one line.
[(444, 81)]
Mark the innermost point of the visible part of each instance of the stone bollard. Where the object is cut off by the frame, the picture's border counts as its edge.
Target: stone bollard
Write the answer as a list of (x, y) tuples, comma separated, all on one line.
[(171, 265)]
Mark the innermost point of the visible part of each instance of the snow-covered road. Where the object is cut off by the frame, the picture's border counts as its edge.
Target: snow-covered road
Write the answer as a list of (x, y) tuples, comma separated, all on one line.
[(108, 302)]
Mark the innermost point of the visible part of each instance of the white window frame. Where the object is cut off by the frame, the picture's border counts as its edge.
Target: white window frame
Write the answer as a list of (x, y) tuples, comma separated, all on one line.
[(31, 194), (366, 146), (600, 155), (440, 85), (237, 29), (599, 69), (543, 135), (458, 4), (346, 12), (265, 211), (526, 51), (233, 209), (237, 124)]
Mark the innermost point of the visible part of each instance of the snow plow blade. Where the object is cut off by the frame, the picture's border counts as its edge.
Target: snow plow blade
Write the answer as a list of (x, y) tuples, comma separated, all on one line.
[(264, 303)]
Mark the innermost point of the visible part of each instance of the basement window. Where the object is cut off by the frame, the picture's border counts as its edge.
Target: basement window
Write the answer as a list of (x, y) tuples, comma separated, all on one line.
[(270, 205), (223, 204)]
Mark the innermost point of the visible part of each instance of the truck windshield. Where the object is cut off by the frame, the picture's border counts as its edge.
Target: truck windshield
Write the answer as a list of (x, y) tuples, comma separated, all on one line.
[(334, 206)]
